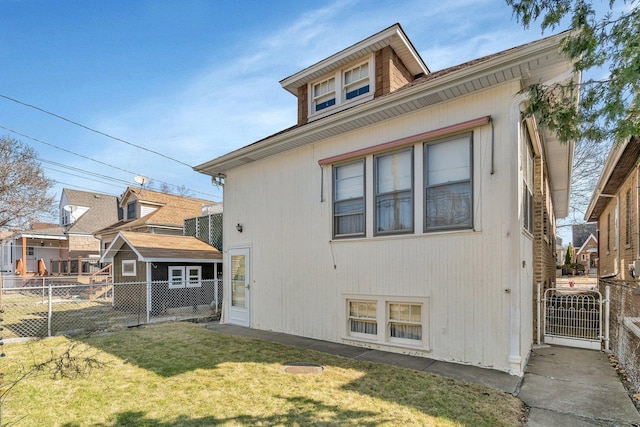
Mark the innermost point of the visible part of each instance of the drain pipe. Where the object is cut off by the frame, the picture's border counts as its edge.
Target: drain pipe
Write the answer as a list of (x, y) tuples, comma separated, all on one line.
[(539, 314), (638, 212)]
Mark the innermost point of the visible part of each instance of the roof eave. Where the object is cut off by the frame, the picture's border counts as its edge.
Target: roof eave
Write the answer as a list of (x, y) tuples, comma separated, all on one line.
[(629, 147), (393, 36), (431, 89)]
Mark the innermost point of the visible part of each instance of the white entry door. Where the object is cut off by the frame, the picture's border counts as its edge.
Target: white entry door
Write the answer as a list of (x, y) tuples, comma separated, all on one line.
[(240, 292)]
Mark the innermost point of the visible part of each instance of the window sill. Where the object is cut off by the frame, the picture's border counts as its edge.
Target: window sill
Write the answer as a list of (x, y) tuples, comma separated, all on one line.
[(339, 107), (403, 236), (380, 345)]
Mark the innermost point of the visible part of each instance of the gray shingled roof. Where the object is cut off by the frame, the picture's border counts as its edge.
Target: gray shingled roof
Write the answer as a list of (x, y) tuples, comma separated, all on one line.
[(103, 211)]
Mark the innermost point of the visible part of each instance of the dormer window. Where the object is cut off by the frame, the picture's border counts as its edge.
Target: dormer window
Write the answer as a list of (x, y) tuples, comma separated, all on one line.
[(131, 210), (356, 81), (345, 86), (324, 94)]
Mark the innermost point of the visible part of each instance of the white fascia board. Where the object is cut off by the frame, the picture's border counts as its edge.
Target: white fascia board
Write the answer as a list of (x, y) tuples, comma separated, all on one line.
[(194, 260), (113, 249), (40, 236)]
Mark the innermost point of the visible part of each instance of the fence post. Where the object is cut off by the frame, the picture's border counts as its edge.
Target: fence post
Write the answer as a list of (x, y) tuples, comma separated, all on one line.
[(539, 319), (215, 292), (148, 301), (49, 316), (607, 296)]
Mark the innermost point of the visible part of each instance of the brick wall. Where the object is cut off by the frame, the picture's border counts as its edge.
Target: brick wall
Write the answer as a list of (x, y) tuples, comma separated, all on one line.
[(391, 74), (624, 337), (618, 246), (303, 105), (543, 234)]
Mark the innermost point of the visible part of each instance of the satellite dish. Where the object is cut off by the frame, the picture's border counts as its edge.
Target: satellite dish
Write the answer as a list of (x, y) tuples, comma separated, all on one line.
[(69, 208), (142, 180)]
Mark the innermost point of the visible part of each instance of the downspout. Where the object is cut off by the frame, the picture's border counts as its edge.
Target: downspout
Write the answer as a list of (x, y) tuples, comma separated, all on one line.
[(513, 288), (637, 213), (618, 264)]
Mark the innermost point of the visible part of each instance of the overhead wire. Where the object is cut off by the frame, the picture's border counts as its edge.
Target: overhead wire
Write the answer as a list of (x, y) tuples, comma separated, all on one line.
[(97, 161), (93, 130)]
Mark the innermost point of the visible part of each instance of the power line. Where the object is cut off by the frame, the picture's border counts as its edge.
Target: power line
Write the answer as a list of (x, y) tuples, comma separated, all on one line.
[(115, 138), (98, 161)]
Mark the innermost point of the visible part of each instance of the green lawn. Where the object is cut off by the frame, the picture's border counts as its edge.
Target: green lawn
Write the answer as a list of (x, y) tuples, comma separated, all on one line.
[(180, 374)]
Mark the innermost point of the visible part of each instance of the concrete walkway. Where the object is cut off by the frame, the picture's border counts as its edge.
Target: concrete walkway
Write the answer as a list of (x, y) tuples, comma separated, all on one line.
[(562, 386), (573, 387)]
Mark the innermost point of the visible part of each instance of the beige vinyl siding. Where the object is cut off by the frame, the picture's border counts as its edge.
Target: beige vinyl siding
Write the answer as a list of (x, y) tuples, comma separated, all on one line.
[(301, 277)]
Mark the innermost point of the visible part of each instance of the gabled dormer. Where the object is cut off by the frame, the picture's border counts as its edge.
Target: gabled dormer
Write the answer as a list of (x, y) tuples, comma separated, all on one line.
[(136, 204), (376, 66)]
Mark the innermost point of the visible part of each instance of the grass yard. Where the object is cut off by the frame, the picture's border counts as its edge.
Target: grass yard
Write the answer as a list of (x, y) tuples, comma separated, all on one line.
[(180, 374)]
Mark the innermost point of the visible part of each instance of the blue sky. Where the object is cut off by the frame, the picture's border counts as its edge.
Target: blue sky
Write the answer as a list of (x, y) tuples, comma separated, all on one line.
[(194, 79)]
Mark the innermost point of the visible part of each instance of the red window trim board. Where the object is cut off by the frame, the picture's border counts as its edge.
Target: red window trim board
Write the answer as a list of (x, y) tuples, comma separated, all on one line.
[(421, 137)]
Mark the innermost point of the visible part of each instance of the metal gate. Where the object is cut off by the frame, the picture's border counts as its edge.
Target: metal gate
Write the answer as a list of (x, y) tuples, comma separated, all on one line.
[(575, 318)]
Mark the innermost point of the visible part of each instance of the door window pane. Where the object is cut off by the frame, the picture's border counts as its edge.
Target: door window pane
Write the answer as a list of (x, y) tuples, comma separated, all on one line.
[(238, 281)]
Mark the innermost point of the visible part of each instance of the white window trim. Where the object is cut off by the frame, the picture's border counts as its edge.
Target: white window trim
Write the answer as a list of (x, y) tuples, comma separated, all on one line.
[(193, 281), (186, 280), (335, 202), (174, 284), (362, 335), (472, 180), (383, 337), (129, 262), (389, 321), (340, 90), (378, 195)]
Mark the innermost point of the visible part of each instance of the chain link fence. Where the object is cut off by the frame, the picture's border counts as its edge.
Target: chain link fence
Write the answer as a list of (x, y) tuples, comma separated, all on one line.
[(624, 325), (42, 308)]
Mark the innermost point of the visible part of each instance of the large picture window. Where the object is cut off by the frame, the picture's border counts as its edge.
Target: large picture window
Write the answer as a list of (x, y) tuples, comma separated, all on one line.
[(448, 184), (348, 199), (394, 192)]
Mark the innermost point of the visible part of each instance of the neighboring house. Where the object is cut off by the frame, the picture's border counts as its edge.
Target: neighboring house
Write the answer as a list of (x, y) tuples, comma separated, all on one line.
[(81, 214), (147, 211), (587, 253), (560, 251), (408, 211), (176, 269), (582, 232), (614, 205)]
